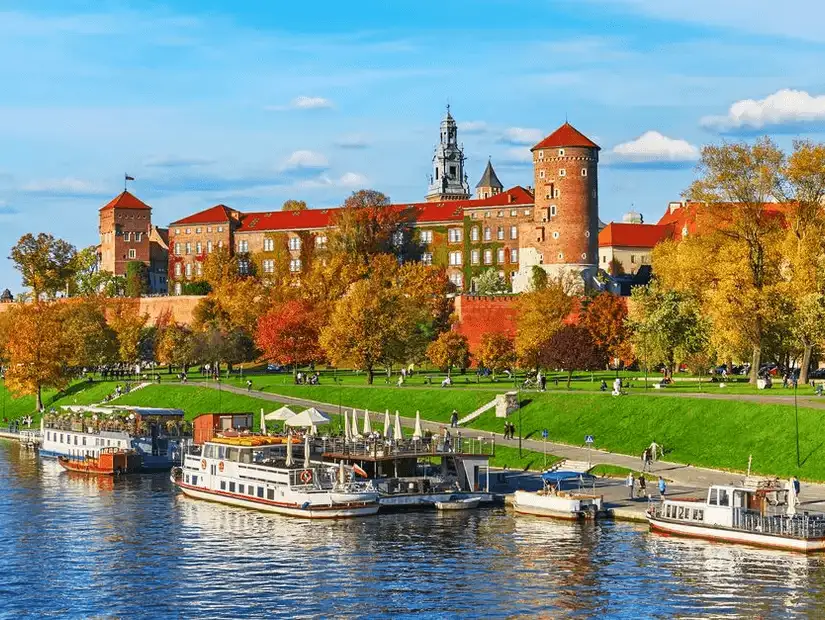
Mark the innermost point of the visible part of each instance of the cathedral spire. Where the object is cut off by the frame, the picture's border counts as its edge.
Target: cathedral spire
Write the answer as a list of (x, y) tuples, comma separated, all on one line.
[(449, 180)]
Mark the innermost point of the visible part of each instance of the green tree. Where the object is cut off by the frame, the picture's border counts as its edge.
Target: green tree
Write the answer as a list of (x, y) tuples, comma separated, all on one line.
[(91, 342), (490, 283), (137, 279), (46, 264), (88, 280), (538, 278)]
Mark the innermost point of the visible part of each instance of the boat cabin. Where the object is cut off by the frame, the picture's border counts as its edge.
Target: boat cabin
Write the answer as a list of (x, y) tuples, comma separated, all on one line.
[(726, 505), (208, 425)]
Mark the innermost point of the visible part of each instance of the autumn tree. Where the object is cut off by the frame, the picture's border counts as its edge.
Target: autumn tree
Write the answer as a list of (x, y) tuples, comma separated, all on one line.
[(450, 350), (137, 279), (294, 205), (125, 319), (220, 268), (175, 346), (538, 278), (46, 264), (90, 340), (490, 283), (540, 314), (605, 318), (37, 353), (289, 334), (215, 346), (573, 348), (496, 351), (87, 279)]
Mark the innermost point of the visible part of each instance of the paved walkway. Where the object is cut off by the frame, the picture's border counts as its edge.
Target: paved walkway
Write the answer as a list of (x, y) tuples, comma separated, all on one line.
[(689, 479)]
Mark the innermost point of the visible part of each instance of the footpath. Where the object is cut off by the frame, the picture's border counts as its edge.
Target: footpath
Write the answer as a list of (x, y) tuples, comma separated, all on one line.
[(685, 479)]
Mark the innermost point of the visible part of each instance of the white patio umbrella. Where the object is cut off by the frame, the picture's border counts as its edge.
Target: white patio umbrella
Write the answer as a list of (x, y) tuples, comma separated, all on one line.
[(347, 434), (355, 433), (284, 413), (417, 434), (306, 451), (308, 418), (367, 423), (791, 498), (398, 433), (289, 460), (387, 427), (263, 422)]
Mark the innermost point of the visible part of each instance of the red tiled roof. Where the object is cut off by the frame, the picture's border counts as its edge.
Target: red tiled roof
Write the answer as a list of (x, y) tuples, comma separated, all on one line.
[(213, 215), (426, 212), (566, 135), (618, 234), (125, 200)]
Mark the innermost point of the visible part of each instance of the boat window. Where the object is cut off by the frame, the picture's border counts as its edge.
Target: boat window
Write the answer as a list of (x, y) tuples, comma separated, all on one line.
[(724, 498), (738, 499), (260, 491), (194, 479), (246, 456), (187, 478), (84, 440), (251, 490), (221, 452), (240, 488), (231, 487), (232, 454), (223, 485), (667, 511), (714, 497), (61, 437), (701, 514), (270, 494)]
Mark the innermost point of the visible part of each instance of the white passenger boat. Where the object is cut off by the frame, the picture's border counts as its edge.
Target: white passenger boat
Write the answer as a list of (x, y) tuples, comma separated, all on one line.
[(559, 499), (466, 503), (255, 472), (764, 515)]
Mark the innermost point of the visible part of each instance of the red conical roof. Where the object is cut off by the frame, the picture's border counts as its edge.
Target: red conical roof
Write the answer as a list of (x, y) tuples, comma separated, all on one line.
[(125, 200), (566, 135)]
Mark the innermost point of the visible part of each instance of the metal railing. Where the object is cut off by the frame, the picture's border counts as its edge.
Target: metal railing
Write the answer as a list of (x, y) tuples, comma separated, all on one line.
[(375, 447)]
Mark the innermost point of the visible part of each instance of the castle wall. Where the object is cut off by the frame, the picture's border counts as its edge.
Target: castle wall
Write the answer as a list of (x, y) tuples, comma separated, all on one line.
[(480, 314)]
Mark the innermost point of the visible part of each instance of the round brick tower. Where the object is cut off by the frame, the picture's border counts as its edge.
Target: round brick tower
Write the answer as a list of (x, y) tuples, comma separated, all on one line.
[(563, 237)]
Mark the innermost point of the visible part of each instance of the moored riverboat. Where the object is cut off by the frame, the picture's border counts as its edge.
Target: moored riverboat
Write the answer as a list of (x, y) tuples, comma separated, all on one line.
[(260, 473), (561, 498), (156, 435), (108, 462), (763, 515)]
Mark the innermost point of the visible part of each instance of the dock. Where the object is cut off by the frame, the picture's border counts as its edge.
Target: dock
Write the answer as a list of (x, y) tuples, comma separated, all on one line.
[(27, 438)]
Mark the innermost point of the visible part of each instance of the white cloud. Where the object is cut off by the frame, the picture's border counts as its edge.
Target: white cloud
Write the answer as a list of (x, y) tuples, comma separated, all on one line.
[(520, 156), (472, 127), (67, 186), (353, 141), (348, 180), (521, 136), (653, 146), (302, 160), (352, 179), (302, 103), (783, 107)]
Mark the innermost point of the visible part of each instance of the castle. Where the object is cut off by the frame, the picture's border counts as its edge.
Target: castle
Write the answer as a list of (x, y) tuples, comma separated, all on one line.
[(553, 225)]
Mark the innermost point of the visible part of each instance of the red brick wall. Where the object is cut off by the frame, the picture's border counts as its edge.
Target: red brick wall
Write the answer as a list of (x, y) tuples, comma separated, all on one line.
[(478, 314)]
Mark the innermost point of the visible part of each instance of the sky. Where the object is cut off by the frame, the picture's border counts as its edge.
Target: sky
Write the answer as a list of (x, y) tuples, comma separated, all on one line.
[(251, 103)]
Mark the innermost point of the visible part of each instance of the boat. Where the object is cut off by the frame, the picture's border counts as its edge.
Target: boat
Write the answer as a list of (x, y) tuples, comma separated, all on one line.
[(465, 503), (561, 498), (258, 472), (108, 462), (78, 433), (762, 514), (415, 473)]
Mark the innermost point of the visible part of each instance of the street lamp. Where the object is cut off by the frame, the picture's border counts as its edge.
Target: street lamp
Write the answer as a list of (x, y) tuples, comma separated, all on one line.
[(518, 402), (796, 417)]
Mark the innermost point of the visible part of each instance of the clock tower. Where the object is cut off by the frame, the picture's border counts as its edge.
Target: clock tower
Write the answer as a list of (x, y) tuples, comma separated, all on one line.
[(449, 181)]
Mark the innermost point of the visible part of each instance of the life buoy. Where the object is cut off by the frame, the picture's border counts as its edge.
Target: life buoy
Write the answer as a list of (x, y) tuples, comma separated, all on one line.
[(220, 467), (203, 463), (306, 476)]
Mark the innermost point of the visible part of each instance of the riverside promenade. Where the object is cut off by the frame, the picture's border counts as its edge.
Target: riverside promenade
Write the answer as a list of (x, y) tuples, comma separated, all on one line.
[(686, 480)]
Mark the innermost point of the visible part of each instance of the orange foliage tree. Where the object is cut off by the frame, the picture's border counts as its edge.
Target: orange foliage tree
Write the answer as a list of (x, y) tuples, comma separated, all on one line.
[(289, 334), (605, 317)]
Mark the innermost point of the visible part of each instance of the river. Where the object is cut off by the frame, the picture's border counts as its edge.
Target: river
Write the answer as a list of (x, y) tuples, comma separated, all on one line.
[(75, 546)]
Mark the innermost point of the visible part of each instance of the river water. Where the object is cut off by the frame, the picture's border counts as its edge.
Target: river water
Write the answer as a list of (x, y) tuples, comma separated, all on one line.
[(77, 547)]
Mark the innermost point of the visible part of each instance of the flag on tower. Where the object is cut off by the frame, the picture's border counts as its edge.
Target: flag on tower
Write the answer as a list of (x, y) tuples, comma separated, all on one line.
[(128, 178)]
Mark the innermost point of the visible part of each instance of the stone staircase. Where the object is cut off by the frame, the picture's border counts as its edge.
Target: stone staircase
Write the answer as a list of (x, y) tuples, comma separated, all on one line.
[(134, 387), (569, 465), (472, 416)]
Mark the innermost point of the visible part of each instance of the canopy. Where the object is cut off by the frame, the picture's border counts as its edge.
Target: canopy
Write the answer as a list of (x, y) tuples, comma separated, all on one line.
[(367, 423), (397, 432), (284, 413), (387, 427), (308, 417), (417, 434), (560, 477)]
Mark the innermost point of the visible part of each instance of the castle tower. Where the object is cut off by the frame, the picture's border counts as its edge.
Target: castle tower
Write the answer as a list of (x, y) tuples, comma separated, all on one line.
[(563, 237), (448, 182), (124, 226), (489, 185)]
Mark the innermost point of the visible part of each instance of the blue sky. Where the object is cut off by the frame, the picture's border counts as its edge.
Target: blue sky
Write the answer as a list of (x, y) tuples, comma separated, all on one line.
[(251, 103)]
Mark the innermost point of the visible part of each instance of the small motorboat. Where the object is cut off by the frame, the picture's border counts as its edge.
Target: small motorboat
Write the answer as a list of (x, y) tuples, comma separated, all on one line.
[(109, 462), (560, 499), (461, 503)]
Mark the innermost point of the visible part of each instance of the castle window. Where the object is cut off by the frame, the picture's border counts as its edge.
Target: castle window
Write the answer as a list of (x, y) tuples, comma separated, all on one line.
[(486, 214), (552, 210), (132, 253), (488, 234), (587, 233), (177, 269), (243, 267), (455, 259), (452, 171), (188, 230), (454, 235), (541, 174), (513, 232), (561, 256), (177, 231), (584, 255), (127, 236), (488, 257), (208, 229), (556, 234), (500, 233), (632, 259), (527, 212), (177, 249), (561, 152), (269, 266), (198, 231), (198, 248), (220, 228), (457, 279), (138, 236), (556, 193), (295, 265), (220, 244), (473, 215), (426, 236), (513, 213), (188, 270), (474, 233), (541, 154), (604, 258), (321, 241), (199, 269), (208, 247), (474, 257), (427, 258), (500, 257), (269, 245), (500, 214), (514, 256), (562, 172), (584, 172), (188, 248), (294, 243), (243, 246)]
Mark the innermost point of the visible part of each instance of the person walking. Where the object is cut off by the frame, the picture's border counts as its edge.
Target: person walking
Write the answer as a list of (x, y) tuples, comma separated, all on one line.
[(249, 385), (630, 483), (454, 419), (796, 488), (646, 459), (662, 488), (507, 430), (642, 486)]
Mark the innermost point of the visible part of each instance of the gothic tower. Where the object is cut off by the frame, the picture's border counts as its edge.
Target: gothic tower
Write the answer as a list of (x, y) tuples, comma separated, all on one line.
[(563, 236), (448, 182), (489, 185)]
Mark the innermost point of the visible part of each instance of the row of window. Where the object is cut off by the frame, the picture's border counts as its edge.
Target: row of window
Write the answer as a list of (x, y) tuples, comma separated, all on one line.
[(188, 269), (540, 154), (187, 247), (488, 233), (634, 259), (268, 265), (513, 213), (562, 172), (500, 256), (198, 230), (127, 236), (67, 439), (684, 512)]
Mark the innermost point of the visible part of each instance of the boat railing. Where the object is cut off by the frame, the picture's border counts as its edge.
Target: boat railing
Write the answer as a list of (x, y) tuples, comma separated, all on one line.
[(796, 526), (408, 447)]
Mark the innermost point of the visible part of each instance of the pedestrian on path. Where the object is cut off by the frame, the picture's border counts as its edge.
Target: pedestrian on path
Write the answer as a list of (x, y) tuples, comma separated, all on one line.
[(249, 385), (454, 419), (662, 488), (642, 486), (630, 483), (646, 460), (655, 451), (507, 430), (796, 488)]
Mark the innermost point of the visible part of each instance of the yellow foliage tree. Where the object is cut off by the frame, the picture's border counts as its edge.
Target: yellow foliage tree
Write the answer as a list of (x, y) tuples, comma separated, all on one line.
[(539, 315), (127, 322)]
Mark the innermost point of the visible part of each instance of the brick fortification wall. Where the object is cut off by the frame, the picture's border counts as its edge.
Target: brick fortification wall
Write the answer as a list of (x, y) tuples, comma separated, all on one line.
[(181, 307), (480, 314)]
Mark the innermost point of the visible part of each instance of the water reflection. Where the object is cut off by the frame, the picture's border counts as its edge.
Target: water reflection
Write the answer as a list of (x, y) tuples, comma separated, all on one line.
[(81, 546)]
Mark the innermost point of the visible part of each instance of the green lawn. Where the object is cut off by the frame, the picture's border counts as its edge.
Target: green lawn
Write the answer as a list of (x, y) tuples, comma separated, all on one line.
[(507, 457)]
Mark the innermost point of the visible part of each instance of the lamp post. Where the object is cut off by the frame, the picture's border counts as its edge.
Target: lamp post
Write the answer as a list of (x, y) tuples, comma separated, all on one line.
[(518, 401), (796, 418)]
